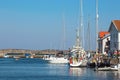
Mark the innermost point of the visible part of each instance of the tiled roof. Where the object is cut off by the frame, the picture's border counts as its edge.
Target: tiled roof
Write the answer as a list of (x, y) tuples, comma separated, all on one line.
[(103, 33), (117, 24)]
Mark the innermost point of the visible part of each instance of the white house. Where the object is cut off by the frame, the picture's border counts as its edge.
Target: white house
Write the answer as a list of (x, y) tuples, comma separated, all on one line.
[(103, 36), (114, 30)]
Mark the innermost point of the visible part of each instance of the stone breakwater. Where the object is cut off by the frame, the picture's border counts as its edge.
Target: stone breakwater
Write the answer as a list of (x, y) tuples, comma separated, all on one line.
[(32, 52)]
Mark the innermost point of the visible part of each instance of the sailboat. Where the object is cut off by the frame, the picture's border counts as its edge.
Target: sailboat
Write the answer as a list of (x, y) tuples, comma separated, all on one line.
[(77, 54), (54, 59), (57, 59)]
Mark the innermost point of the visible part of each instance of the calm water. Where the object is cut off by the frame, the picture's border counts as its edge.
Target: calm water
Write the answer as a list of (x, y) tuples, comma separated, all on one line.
[(37, 69)]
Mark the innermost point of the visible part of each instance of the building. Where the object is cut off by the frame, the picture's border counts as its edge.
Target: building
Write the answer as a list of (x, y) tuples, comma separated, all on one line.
[(103, 37), (114, 30)]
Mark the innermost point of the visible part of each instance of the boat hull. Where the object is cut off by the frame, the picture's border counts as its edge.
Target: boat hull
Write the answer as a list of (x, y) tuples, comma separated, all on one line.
[(82, 63), (106, 69), (76, 64), (57, 60), (113, 68)]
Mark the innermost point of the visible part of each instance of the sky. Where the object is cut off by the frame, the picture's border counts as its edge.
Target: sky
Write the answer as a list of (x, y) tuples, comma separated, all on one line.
[(52, 24)]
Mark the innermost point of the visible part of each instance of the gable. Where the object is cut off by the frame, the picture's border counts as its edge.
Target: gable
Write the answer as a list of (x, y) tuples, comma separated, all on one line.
[(117, 24), (114, 26)]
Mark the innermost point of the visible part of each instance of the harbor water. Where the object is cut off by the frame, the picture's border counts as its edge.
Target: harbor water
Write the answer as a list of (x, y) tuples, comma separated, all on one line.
[(38, 69)]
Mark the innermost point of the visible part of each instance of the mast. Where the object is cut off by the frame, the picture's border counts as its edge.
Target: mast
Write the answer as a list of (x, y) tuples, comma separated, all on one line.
[(88, 33), (77, 38), (81, 23), (64, 32), (97, 16), (64, 39)]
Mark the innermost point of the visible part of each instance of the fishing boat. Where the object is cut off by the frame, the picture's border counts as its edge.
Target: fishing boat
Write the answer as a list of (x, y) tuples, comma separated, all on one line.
[(77, 54)]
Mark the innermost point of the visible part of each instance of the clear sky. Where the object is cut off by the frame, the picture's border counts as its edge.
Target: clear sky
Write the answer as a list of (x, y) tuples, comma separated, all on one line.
[(38, 24)]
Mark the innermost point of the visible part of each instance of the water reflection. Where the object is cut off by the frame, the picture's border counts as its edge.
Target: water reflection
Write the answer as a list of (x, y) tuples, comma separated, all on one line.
[(56, 69), (111, 75), (90, 74), (77, 71)]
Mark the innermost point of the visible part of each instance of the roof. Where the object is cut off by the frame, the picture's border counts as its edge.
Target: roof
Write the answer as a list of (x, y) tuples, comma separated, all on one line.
[(103, 33), (117, 24)]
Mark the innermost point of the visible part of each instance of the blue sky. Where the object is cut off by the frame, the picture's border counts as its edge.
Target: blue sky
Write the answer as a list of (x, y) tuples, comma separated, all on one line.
[(38, 24)]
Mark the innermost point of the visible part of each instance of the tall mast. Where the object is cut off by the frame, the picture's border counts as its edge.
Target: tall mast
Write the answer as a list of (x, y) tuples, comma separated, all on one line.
[(97, 16), (64, 32), (81, 23), (88, 33)]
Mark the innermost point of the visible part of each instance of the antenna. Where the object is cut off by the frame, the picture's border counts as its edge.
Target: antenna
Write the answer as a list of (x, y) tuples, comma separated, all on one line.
[(97, 16)]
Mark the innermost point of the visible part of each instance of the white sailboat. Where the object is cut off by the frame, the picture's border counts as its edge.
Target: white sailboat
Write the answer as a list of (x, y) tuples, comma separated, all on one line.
[(77, 54), (57, 59)]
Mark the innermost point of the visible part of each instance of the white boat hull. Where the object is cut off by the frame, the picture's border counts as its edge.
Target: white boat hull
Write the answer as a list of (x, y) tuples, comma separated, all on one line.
[(107, 69), (79, 64), (57, 60), (75, 64)]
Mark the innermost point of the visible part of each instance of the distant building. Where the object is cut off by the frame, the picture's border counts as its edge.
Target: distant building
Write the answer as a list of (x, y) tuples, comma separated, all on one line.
[(114, 30), (103, 45)]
